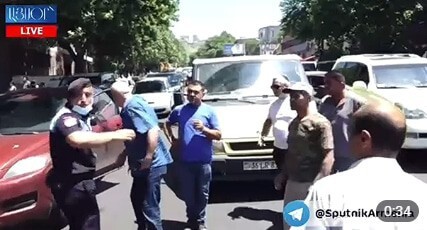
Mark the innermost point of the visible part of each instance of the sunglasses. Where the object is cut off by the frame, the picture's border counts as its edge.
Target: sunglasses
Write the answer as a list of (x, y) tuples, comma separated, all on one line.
[(275, 86)]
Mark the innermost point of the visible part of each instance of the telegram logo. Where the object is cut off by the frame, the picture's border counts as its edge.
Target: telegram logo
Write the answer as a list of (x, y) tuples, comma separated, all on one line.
[(296, 213)]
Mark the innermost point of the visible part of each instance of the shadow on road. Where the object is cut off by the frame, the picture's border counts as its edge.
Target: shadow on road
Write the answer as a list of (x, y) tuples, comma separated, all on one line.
[(102, 186), (173, 225), (236, 192), (258, 215)]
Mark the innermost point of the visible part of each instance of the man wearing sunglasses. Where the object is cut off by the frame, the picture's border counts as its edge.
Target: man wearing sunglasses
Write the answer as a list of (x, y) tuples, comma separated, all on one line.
[(279, 116)]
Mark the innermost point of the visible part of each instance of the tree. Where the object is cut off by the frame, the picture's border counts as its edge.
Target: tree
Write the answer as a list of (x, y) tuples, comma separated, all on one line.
[(365, 25), (214, 46), (119, 34), (252, 47)]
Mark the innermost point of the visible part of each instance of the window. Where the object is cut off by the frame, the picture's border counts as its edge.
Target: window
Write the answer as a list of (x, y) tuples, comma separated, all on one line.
[(28, 112), (154, 86), (401, 75), (104, 106), (253, 75), (353, 71)]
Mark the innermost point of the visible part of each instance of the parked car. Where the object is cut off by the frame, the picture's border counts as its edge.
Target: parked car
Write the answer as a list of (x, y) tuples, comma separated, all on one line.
[(325, 65), (309, 65), (398, 78), (101, 80), (158, 93), (317, 80), (25, 163), (176, 80), (238, 88)]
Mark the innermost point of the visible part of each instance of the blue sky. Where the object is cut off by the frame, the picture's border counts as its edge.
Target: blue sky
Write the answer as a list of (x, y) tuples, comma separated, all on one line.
[(241, 18)]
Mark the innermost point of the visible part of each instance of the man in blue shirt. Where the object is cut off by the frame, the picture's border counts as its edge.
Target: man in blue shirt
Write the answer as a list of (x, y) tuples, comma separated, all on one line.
[(147, 155), (198, 126)]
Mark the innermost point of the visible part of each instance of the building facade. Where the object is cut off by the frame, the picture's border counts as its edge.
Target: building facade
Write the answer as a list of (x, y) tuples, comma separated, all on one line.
[(269, 38)]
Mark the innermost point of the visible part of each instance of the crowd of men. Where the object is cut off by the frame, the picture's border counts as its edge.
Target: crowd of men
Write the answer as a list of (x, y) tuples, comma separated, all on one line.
[(357, 143)]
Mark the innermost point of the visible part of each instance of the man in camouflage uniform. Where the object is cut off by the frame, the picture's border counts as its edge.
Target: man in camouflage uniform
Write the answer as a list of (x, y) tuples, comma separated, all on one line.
[(310, 146)]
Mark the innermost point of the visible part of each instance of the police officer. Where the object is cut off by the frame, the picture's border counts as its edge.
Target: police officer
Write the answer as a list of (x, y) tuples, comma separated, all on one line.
[(71, 140)]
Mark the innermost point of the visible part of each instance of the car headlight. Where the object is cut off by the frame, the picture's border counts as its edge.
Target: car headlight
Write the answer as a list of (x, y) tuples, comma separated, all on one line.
[(412, 113), (27, 165), (218, 146)]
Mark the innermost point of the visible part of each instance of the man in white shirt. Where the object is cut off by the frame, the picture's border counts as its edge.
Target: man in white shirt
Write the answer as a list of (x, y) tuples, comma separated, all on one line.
[(376, 136), (279, 117)]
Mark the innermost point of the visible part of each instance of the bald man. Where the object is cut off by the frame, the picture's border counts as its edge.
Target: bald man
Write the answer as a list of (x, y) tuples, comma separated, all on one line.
[(378, 133), (147, 155)]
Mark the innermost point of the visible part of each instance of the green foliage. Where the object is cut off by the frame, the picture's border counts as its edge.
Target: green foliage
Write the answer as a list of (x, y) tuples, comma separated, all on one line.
[(365, 25), (214, 46), (252, 47), (118, 33)]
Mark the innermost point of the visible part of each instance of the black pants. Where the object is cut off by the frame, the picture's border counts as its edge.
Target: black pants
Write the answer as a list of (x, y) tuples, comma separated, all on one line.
[(279, 157), (79, 205)]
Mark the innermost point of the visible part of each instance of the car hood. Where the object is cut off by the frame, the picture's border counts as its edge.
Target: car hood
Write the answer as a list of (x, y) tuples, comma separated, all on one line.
[(241, 121), (410, 98), (161, 98), (16, 147)]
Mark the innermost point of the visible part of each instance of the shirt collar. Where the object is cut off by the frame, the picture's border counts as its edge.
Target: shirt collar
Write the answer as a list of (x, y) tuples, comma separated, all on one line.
[(128, 99), (375, 162)]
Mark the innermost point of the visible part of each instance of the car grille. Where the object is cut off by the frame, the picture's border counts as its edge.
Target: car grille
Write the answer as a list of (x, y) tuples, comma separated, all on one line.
[(20, 202), (253, 145)]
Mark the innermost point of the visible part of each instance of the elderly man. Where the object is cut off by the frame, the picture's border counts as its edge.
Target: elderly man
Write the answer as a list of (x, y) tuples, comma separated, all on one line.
[(378, 133), (148, 156), (71, 140), (310, 146), (338, 107)]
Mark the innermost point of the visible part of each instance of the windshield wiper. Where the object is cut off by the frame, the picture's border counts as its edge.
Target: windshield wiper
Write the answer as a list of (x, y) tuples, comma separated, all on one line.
[(216, 99), (262, 96), (393, 87)]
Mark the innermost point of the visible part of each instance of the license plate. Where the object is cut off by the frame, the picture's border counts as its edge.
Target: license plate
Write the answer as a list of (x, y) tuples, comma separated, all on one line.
[(259, 165)]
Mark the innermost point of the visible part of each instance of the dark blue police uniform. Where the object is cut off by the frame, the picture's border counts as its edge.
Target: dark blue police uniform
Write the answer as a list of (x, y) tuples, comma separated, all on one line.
[(72, 185)]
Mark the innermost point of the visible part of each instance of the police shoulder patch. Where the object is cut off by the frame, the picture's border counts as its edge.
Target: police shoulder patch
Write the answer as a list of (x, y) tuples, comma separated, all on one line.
[(69, 121)]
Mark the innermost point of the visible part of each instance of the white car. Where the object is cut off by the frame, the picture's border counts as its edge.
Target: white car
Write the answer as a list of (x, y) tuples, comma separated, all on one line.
[(158, 93), (399, 78), (239, 90)]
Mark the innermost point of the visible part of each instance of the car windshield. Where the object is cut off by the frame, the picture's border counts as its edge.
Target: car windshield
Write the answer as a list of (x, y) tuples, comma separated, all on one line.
[(150, 87), (247, 76), (173, 79), (29, 111), (392, 76)]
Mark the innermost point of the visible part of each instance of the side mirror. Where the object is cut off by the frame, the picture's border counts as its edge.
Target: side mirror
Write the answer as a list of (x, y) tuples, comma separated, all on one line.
[(359, 85)]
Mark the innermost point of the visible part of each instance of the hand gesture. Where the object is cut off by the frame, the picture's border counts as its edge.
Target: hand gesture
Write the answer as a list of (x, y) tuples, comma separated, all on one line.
[(198, 125), (121, 159), (278, 181), (124, 134), (146, 163), (261, 142)]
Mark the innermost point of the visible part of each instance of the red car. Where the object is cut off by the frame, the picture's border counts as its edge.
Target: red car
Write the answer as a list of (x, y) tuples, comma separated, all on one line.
[(25, 161)]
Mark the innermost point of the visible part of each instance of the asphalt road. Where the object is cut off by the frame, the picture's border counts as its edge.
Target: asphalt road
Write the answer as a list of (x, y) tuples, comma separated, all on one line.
[(232, 206)]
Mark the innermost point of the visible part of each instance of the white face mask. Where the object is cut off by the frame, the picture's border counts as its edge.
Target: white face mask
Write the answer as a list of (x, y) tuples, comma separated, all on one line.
[(82, 110)]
